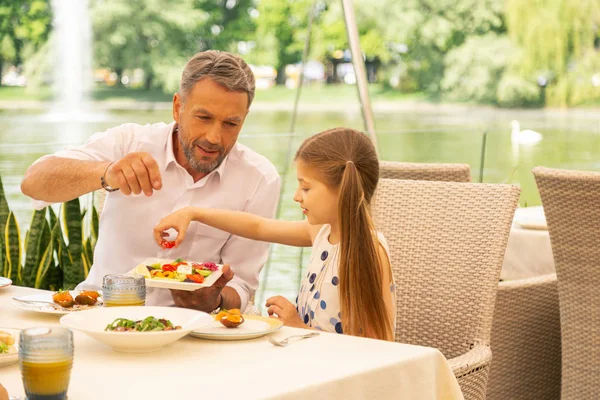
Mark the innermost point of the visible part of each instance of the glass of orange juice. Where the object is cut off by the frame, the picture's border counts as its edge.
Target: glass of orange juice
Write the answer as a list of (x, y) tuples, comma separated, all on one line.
[(46, 360), (124, 290)]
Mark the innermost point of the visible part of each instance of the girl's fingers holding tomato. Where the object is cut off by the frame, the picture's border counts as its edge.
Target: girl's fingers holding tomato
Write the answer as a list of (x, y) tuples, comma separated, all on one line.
[(180, 237)]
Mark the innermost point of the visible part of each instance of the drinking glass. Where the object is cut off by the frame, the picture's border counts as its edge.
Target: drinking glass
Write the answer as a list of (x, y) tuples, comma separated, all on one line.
[(124, 290), (46, 360)]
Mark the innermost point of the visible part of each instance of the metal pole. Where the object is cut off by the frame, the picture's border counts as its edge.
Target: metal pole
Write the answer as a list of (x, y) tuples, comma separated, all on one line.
[(482, 158), (288, 154), (359, 70)]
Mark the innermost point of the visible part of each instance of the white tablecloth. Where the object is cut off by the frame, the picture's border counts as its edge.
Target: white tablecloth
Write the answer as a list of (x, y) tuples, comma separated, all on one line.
[(326, 367), (528, 252)]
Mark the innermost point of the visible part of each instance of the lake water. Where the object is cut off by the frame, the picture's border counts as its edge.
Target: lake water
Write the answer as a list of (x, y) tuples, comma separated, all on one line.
[(571, 139)]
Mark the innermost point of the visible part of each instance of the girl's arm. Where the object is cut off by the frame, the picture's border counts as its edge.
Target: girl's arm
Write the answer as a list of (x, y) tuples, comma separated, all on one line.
[(291, 233)]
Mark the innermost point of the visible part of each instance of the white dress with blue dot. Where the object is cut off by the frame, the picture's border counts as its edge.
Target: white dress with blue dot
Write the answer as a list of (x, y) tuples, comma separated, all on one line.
[(318, 302)]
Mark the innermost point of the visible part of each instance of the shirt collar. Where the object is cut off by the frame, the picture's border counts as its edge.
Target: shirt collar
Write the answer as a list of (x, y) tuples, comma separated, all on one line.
[(170, 154)]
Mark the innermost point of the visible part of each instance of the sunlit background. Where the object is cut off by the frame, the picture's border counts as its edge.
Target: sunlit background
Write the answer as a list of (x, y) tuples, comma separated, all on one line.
[(441, 73)]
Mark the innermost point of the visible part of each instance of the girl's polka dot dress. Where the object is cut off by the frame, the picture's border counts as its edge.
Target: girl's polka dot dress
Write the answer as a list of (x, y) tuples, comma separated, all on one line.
[(318, 303)]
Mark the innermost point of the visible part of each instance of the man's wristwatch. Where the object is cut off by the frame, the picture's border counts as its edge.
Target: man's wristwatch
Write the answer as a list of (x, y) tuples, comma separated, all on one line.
[(103, 180)]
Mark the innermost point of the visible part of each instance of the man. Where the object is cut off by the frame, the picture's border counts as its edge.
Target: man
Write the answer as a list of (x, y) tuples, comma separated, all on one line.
[(150, 171)]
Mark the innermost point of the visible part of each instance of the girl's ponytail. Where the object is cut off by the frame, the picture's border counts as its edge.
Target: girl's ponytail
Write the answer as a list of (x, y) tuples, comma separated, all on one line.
[(361, 289)]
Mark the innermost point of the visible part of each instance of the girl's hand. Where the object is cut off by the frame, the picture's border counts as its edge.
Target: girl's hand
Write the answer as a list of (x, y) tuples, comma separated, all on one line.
[(282, 309), (179, 220)]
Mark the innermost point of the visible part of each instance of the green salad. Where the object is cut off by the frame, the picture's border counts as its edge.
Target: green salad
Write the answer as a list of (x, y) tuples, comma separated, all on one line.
[(4, 348), (149, 324), (7, 341)]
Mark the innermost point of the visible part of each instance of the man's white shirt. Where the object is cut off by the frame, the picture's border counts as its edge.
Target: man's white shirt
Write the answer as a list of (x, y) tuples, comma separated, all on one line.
[(245, 181)]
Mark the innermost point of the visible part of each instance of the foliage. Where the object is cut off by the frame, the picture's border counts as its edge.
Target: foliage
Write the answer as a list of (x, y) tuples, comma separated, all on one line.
[(556, 36), (330, 33), (24, 27), (153, 35), (50, 261), (227, 23), (514, 91), (420, 33), (489, 51), (473, 70), (284, 22)]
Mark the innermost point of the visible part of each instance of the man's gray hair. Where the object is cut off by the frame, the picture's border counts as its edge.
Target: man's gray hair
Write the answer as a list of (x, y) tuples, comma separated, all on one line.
[(226, 69)]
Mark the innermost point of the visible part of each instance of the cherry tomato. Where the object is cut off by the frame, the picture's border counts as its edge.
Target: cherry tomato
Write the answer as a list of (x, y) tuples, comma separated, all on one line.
[(169, 267), (196, 278), (167, 244)]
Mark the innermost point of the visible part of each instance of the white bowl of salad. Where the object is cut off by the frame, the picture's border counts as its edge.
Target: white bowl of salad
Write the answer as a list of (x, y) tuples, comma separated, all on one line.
[(136, 329)]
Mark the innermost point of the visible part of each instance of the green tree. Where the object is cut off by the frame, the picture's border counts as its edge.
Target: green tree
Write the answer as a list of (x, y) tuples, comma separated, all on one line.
[(228, 22), (473, 70), (154, 35), (558, 39), (24, 27), (282, 28), (283, 24), (330, 34), (426, 30)]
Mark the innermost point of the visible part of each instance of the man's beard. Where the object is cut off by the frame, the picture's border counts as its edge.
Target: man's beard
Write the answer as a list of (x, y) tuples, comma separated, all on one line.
[(196, 164)]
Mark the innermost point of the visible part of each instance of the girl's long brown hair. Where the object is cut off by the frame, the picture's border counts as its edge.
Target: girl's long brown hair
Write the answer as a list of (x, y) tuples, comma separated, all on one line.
[(346, 160)]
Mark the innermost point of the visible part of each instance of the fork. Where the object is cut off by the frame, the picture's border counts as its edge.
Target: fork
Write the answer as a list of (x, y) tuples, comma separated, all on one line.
[(56, 306), (285, 342)]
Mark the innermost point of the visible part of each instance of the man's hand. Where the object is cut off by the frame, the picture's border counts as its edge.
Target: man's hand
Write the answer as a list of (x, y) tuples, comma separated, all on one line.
[(204, 299), (3, 393), (134, 173), (285, 311)]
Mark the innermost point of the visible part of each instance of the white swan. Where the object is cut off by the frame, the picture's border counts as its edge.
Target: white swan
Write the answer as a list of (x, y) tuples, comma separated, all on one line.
[(519, 137), (523, 137)]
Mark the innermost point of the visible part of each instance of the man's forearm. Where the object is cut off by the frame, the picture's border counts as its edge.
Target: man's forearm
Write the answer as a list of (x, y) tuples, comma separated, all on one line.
[(58, 179), (231, 298)]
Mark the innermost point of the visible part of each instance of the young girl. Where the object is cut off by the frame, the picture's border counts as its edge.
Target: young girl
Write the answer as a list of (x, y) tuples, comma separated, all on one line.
[(349, 285)]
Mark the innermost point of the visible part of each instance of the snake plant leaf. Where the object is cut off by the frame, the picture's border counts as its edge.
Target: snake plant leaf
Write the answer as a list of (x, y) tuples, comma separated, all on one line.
[(95, 227), (4, 210), (45, 256), (12, 243), (88, 255), (33, 243), (74, 272)]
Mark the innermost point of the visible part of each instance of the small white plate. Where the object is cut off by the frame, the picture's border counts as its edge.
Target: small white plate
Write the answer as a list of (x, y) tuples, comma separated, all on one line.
[(531, 218), (254, 326), (49, 308), (94, 322), (13, 353), (164, 284), (4, 282)]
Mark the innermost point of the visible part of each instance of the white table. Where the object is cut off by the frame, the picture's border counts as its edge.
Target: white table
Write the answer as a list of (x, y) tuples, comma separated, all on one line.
[(528, 252), (326, 367)]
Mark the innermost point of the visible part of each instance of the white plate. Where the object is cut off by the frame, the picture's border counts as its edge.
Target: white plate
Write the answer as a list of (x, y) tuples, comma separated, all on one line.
[(13, 353), (531, 218), (535, 224), (5, 282), (164, 284), (49, 308), (254, 326), (93, 322)]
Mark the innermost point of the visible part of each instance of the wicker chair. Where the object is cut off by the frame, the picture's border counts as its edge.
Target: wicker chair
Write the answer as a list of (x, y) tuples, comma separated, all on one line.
[(571, 202), (425, 172), (526, 341), (447, 242)]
